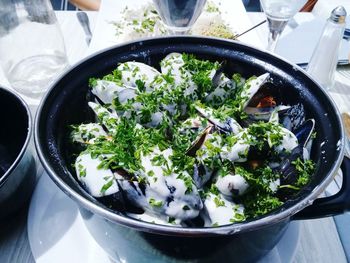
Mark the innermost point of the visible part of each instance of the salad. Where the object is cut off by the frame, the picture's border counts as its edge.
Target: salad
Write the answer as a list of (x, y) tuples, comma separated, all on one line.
[(189, 145)]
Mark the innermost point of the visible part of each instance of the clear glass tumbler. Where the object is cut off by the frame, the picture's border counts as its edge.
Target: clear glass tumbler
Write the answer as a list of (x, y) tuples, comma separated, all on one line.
[(32, 51), (179, 15)]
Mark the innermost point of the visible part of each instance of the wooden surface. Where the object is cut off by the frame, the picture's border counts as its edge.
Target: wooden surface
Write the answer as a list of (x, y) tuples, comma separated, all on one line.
[(319, 240)]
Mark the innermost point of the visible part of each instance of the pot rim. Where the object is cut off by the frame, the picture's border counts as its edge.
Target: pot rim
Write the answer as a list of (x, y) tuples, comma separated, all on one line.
[(28, 136), (268, 219)]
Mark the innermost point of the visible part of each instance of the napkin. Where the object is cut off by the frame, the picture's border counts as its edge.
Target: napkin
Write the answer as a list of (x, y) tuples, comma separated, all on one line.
[(297, 44)]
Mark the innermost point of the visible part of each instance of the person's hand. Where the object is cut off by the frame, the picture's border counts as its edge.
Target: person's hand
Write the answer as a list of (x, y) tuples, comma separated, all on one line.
[(92, 5)]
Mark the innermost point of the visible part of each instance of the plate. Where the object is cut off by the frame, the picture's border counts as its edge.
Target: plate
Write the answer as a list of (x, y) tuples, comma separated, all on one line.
[(57, 233), (233, 14)]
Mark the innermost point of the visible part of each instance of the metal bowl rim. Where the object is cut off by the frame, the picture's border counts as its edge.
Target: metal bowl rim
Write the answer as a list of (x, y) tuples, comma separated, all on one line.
[(28, 136)]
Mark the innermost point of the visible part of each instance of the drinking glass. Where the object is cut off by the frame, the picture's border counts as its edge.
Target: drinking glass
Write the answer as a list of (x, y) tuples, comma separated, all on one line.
[(32, 51), (179, 15), (278, 13)]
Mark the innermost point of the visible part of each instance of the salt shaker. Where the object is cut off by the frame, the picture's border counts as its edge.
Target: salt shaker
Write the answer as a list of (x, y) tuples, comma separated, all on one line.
[(324, 59)]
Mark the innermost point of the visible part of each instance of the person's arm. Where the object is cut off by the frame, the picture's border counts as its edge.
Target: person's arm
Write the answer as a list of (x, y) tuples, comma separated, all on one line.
[(93, 5)]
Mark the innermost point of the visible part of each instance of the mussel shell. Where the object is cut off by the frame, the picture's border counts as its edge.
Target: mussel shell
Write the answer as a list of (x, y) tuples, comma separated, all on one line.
[(216, 78), (259, 154), (294, 117), (119, 202), (288, 172), (195, 222), (201, 175), (267, 89), (304, 132), (197, 144), (287, 168)]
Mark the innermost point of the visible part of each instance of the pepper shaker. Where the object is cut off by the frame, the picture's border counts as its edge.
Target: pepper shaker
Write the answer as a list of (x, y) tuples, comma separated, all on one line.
[(324, 59)]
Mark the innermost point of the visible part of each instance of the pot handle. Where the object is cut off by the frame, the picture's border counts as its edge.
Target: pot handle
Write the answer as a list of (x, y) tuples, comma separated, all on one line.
[(330, 205)]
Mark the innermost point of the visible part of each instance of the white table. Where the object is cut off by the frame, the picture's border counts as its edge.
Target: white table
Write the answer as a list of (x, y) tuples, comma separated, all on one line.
[(319, 240)]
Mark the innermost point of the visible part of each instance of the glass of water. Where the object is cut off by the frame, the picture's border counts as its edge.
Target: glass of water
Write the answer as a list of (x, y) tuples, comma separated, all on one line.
[(179, 15), (278, 13), (32, 51)]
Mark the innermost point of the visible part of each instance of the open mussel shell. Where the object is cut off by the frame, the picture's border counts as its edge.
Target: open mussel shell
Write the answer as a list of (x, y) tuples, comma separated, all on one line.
[(267, 97), (197, 144), (201, 175), (228, 126), (264, 114), (287, 169), (215, 81), (121, 200), (304, 132), (294, 117), (288, 173)]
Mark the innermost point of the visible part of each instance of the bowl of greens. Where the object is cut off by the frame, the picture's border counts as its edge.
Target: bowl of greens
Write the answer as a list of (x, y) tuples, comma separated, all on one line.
[(190, 147)]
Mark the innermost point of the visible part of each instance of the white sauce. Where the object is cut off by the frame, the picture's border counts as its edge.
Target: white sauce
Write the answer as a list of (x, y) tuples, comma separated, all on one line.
[(107, 91), (223, 89), (228, 184), (181, 205), (214, 140), (221, 215), (132, 71), (95, 179), (89, 130), (239, 151), (274, 118), (105, 114), (166, 194), (173, 64), (288, 143)]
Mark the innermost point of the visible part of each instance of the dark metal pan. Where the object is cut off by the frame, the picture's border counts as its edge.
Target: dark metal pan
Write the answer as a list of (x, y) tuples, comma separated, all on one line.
[(66, 103)]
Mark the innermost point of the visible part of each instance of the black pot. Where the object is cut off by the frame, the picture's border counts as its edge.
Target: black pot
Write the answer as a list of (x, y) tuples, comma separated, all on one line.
[(17, 165), (136, 241)]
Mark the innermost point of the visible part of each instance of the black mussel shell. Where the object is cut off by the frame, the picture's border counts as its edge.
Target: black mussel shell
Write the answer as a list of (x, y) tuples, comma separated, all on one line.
[(119, 202), (288, 172), (304, 131), (294, 117), (216, 78)]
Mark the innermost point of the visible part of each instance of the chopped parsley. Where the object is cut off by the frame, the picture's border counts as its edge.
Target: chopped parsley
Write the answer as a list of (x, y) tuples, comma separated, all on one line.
[(218, 202), (106, 186), (82, 170), (155, 203), (162, 121), (304, 169)]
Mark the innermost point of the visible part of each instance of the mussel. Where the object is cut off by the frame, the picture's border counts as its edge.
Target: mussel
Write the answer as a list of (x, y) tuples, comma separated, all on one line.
[(107, 91), (287, 168), (229, 125)]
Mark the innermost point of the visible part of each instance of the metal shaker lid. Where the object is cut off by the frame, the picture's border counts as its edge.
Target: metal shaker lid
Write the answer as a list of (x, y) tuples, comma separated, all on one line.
[(338, 15)]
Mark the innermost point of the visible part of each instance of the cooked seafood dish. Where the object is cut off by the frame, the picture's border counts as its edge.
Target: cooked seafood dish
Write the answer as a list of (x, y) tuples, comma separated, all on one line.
[(190, 146)]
